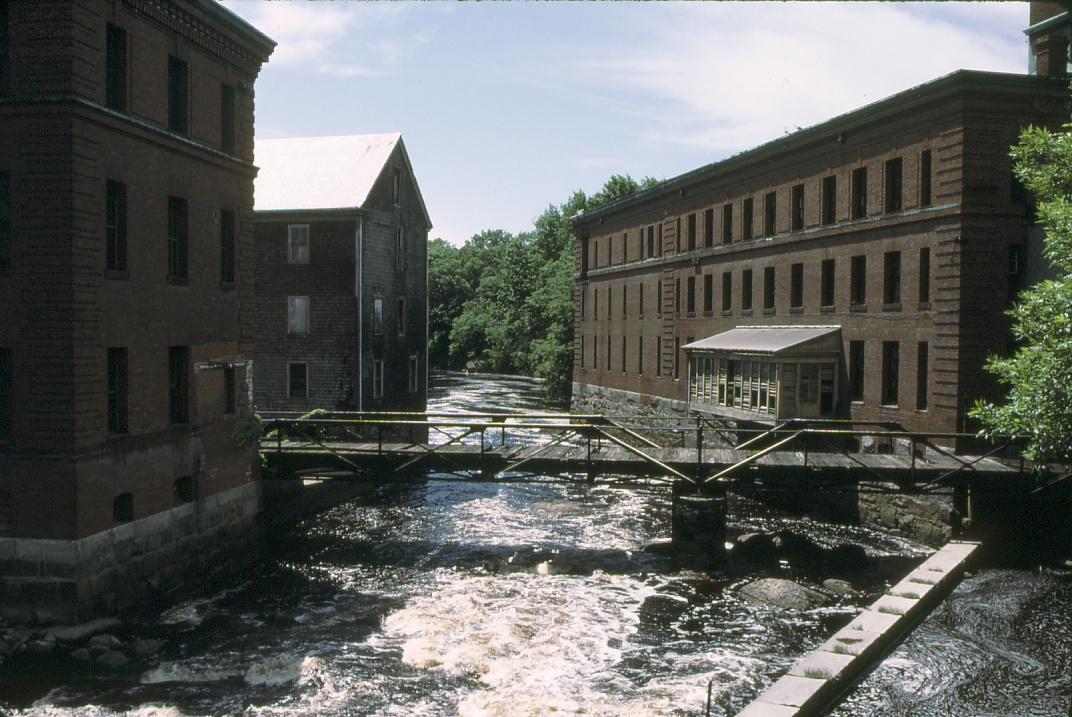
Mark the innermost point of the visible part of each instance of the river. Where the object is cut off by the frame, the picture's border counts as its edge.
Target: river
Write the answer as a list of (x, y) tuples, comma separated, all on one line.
[(482, 600)]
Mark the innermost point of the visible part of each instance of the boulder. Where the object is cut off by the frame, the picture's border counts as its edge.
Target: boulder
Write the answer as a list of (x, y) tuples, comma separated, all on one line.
[(757, 548), (146, 648), (107, 641), (78, 633), (113, 658), (838, 587), (801, 552), (780, 593), (847, 555)]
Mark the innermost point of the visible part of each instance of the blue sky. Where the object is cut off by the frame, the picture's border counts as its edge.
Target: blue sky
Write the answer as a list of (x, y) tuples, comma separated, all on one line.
[(506, 108)]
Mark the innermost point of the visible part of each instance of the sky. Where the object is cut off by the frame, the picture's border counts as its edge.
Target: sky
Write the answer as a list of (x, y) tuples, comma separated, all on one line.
[(507, 108)]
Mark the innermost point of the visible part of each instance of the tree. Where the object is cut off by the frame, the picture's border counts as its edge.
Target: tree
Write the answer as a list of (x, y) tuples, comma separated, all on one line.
[(1039, 373)]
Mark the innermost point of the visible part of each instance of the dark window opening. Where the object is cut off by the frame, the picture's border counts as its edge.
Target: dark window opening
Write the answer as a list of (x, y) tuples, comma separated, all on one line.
[(770, 213), (115, 60), (746, 290), (298, 380), (925, 178), (708, 227), (924, 275), (858, 281), (178, 96), (727, 223), (651, 241), (178, 383), (625, 301), (123, 508), (117, 390), (691, 232), (922, 351), (227, 246), (859, 193), (890, 372), (746, 220), (796, 286), (829, 200), (7, 396), (227, 118), (677, 296), (640, 355), (177, 240), (856, 370), (708, 293), (893, 185), (115, 221), (727, 291), (798, 207), (768, 288), (691, 295), (827, 290), (183, 490), (640, 300), (677, 358), (230, 394), (891, 273), (608, 352)]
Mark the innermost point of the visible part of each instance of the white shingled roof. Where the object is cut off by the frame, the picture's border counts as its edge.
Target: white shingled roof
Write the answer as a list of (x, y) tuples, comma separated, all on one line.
[(319, 172), (761, 339)]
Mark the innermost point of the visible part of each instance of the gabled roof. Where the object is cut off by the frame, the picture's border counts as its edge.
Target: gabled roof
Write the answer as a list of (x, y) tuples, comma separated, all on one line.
[(314, 173), (762, 339)]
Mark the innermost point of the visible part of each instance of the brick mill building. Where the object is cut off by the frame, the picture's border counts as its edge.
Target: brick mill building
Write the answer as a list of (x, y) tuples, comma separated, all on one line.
[(126, 277), (857, 269), (342, 278)]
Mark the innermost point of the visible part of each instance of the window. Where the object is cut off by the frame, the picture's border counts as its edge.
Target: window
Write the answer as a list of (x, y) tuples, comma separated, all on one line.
[(298, 244), (746, 220), (7, 396), (377, 317), (727, 223), (691, 231), (796, 286), (708, 293), (115, 68), (297, 380), (227, 246), (708, 227), (677, 358), (925, 178), (178, 241), (227, 118), (659, 239), (891, 278), (658, 357), (829, 199), (691, 300), (727, 291), (768, 288), (183, 490), (400, 249), (677, 295), (827, 290), (117, 390), (651, 241), (890, 372), (414, 376), (178, 382), (178, 95), (396, 186), (640, 299), (5, 220), (298, 315), (123, 508), (924, 275), (623, 354), (922, 349), (770, 213), (401, 316), (856, 370), (746, 290), (858, 281), (859, 193), (115, 227), (625, 301), (230, 394), (640, 355), (798, 207), (893, 185), (610, 291), (608, 352)]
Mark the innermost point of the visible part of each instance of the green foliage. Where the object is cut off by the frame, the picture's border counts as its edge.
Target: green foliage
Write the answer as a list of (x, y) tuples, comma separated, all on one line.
[(504, 302), (247, 431), (1039, 374)]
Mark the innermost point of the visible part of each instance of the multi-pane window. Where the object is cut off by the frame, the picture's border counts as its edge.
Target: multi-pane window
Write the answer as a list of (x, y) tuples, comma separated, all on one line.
[(377, 317), (297, 379), (924, 275), (691, 231), (829, 199), (227, 246), (798, 207), (891, 278), (708, 293), (893, 185), (178, 384), (178, 95), (7, 396), (768, 288), (856, 370), (796, 286), (115, 68), (746, 290), (117, 390), (770, 213), (401, 316), (177, 240), (858, 281), (925, 178), (690, 303), (227, 118), (400, 249), (826, 299), (922, 351), (5, 220), (891, 371), (859, 193), (298, 244), (230, 392), (727, 291), (747, 218), (727, 223), (115, 227), (708, 227), (414, 376), (298, 315)]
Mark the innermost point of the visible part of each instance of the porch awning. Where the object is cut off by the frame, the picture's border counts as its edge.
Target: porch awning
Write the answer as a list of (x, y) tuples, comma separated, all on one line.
[(772, 340)]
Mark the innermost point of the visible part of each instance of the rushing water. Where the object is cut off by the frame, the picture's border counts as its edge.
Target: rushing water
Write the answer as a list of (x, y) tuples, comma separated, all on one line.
[(477, 599)]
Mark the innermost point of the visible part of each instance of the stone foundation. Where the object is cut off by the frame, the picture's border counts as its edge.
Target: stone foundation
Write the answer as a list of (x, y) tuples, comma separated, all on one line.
[(139, 564)]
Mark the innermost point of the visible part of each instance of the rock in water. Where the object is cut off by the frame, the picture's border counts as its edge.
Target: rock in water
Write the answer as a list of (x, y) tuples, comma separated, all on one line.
[(78, 633), (800, 551), (838, 587), (785, 594), (757, 548), (848, 556), (113, 658)]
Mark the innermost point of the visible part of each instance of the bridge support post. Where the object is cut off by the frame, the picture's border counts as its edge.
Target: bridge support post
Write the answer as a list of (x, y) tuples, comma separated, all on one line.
[(698, 522)]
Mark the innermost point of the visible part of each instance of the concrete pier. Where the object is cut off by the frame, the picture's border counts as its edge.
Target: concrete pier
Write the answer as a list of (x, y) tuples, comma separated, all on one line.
[(698, 523)]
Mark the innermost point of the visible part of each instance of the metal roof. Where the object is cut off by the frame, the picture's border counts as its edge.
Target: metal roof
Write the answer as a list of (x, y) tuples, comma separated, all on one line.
[(761, 339), (311, 173)]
